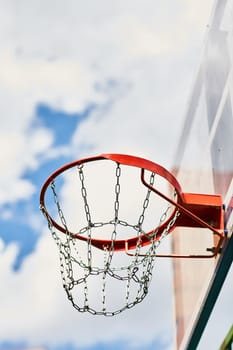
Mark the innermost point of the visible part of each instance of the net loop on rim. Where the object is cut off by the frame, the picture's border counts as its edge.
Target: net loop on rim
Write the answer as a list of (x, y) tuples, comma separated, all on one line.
[(85, 270)]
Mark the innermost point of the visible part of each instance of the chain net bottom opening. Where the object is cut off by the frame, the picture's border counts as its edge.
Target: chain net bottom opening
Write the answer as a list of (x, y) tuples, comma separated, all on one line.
[(104, 281)]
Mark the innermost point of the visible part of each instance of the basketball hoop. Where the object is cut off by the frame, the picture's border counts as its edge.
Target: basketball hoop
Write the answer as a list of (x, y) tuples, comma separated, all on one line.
[(95, 249)]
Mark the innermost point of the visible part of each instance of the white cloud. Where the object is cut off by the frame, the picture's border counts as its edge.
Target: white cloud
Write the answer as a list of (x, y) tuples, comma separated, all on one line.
[(19, 153), (6, 214), (40, 140), (43, 80), (138, 121), (19, 189)]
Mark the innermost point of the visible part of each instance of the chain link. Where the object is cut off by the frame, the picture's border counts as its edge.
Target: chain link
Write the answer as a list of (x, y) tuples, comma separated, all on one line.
[(84, 194), (116, 211), (146, 201), (88, 215)]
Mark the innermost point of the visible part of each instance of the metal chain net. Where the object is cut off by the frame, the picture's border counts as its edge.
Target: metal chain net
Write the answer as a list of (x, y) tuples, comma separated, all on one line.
[(87, 280)]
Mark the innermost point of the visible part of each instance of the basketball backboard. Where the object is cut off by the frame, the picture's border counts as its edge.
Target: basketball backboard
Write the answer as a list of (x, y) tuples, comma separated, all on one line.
[(204, 164)]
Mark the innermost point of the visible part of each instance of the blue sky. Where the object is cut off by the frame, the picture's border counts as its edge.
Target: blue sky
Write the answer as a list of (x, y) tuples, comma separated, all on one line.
[(78, 79)]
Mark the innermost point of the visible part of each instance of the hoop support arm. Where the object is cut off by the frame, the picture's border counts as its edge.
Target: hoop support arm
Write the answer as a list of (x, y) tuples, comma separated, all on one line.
[(194, 208), (199, 203), (216, 251)]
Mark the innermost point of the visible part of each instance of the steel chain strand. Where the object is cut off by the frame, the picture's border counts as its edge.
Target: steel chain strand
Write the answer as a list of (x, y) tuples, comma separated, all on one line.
[(60, 212), (148, 265), (169, 226), (65, 255), (148, 262), (77, 260), (146, 201), (142, 216), (150, 257), (116, 211), (66, 247), (161, 220), (87, 212), (140, 289), (84, 194), (165, 214), (89, 233), (131, 275), (104, 291), (115, 223), (133, 270), (85, 291), (127, 287), (61, 254), (117, 191), (104, 281), (156, 243)]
